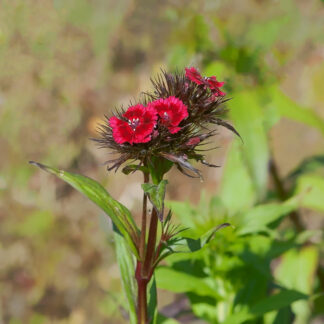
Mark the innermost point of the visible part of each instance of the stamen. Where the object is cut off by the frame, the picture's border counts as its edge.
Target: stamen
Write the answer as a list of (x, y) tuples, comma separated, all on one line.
[(133, 122), (165, 115)]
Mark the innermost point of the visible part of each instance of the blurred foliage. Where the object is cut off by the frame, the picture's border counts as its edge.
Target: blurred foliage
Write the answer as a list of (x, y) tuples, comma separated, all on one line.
[(63, 64)]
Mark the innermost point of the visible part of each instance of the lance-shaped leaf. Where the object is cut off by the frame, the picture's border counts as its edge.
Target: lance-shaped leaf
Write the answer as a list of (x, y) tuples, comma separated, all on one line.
[(126, 263), (185, 244), (118, 213), (156, 194), (152, 301)]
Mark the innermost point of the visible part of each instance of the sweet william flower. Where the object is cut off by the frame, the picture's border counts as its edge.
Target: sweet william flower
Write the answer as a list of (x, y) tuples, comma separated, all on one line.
[(136, 126), (149, 132), (214, 86), (171, 111), (193, 75)]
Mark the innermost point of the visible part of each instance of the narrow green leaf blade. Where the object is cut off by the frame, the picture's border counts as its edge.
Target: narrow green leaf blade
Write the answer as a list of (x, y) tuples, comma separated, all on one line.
[(118, 213), (126, 263), (187, 245), (257, 218), (248, 118), (277, 301), (152, 301)]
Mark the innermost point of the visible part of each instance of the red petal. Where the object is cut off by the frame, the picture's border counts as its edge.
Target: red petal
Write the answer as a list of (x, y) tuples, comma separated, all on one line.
[(193, 75), (136, 111), (122, 132), (174, 129)]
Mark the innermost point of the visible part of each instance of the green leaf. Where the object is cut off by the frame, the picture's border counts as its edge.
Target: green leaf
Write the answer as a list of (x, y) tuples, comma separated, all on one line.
[(152, 301), (158, 166), (156, 194), (297, 270), (237, 190), (288, 108), (257, 218), (277, 301), (240, 317), (126, 263), (284, 316), (180, 282), (248, 118), (118, 213), (308, 165), (311, 190), (187, 244), (164, 320)]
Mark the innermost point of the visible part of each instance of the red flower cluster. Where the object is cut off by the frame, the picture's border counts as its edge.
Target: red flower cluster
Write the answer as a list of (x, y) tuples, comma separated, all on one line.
[(209, 82), (139, 121), (171, 111)]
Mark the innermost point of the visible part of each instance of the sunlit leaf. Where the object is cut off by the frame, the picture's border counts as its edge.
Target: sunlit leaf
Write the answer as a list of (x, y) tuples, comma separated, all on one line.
[(237, 191), (180, 282), (311, 189), (184, 244), (297, 270), (257, 218), (277, 301), (246, 113)]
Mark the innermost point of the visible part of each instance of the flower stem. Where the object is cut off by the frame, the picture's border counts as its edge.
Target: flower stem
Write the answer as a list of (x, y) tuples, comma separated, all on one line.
[(142, 317), (150, 251), (143, 225)]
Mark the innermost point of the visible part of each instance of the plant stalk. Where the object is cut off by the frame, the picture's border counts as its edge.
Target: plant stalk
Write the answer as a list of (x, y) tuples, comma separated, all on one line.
[(150, 251), (142, 317), (143, 225)]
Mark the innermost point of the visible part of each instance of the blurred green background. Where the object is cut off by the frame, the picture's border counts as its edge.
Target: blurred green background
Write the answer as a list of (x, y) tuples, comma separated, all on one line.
[(64, 64)]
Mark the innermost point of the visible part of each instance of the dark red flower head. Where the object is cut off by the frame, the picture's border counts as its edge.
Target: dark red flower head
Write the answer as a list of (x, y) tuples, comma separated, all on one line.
[(136, 128), (168, 125), (193, 75), (171, 111)]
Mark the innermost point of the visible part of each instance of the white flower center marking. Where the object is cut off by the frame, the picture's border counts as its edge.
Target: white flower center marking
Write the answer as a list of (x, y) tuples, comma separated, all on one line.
[(165, 116), (133, 122)]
